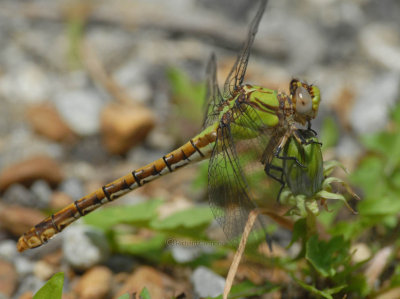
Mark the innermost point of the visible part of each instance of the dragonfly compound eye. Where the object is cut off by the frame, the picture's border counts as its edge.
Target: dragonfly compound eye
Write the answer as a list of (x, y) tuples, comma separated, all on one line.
[(303, 101)]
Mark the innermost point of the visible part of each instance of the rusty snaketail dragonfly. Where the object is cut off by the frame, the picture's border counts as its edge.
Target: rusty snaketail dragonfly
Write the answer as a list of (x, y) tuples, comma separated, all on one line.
[(258, 118)]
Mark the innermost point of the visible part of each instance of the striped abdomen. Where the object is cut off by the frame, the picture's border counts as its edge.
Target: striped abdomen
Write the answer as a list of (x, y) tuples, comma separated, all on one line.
[(196, 149)]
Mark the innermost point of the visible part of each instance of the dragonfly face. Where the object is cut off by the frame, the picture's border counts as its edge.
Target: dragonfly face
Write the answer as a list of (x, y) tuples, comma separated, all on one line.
[(305, 100)]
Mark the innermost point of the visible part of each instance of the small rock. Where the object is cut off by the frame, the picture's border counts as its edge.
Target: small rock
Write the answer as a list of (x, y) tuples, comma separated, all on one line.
[(18, 220), (27, 83), (361, 252), (8, 278), (207, 283), (46, 121), (24, 266), (28, 171), (28, 285), (54, 258), (73, 187), (95, 283), (17, 194), (120, 263), (124, 126), (84, 247), (80, 109), (112, 46), (157, 283), (184, 254), (8, 250), (370, 114), (381, 43), (42, 192), (26, 295), (348, 150), (59, 200), (132, 76), (44, 270)]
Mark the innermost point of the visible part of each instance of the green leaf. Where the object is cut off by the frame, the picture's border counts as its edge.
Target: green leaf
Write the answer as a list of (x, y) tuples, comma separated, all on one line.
[(370, 177), (201, 180), (144, 294), (395, 280), (188, 96), (190, 219), (387, 144), (327, 293), (327, 217), (299, 230), (396, 114), (379, 206), (247, 289), (348, 230), (135, 245), (327, 256), (124, 296), (136, 214), (331, 165), (52, 289), (329, 133)]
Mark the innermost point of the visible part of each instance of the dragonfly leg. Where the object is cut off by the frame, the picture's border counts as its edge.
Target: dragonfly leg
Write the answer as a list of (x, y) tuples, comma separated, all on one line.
[(309, 128), (268, 168), (277, 155), (303, 141)]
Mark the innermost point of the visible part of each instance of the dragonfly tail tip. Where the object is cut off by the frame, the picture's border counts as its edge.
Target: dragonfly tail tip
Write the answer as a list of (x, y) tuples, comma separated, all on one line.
[(22, 245)]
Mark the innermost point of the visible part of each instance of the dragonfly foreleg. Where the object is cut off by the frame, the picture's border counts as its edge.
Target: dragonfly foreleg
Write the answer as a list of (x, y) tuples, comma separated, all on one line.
[(309, 128), (280, 180), (302, 140), (278, 155)]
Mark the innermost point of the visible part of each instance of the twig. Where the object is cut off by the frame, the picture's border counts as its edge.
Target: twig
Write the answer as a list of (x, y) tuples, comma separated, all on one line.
[(239, 252), (99, 74)]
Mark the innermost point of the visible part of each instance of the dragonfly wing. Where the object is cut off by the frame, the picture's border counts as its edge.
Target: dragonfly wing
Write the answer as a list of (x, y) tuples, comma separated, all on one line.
[(236, 75), (232, 159), (213, 95), (229, 199)]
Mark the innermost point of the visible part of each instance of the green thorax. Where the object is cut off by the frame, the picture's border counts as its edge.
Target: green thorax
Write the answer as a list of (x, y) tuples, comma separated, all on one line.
[(252, 109)]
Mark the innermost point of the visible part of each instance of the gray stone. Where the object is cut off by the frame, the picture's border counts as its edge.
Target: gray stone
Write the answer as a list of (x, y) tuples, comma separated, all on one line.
[(80, 108), (371, 110), (84, 246), (206, 283), (120, 263), (27, 83), (30, 283), (18, 194), (73, 187), (42, 191), (23, 266), (382, 44), (348, 148), (184, 254), (132, 77), (112, 46), (8, 250)]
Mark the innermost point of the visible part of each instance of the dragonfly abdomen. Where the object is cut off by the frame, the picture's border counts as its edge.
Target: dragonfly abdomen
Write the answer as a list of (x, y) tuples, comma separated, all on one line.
[(194, 150)]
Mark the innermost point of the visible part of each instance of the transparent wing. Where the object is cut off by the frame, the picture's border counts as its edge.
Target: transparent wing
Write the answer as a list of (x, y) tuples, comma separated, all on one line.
[(232, 160), (213, 95), (236, 75)]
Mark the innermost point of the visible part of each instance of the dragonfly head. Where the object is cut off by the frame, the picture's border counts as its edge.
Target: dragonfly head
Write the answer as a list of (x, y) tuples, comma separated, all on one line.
[(305, 99)]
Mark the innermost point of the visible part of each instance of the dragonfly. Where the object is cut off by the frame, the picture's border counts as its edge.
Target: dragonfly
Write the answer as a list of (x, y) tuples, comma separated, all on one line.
[(238, 116)]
